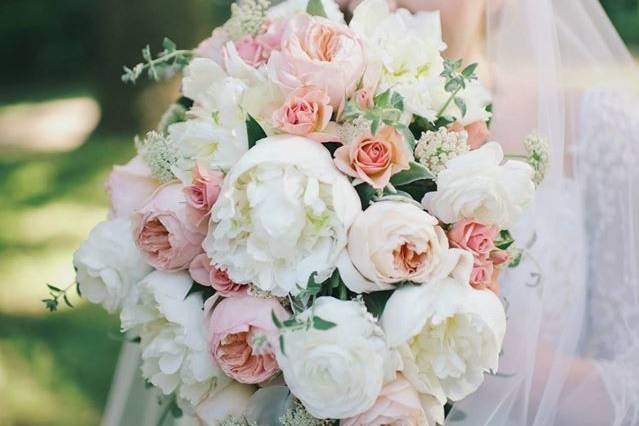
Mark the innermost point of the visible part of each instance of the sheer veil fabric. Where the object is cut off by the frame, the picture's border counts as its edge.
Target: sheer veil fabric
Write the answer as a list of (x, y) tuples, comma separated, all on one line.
[(571, 355)]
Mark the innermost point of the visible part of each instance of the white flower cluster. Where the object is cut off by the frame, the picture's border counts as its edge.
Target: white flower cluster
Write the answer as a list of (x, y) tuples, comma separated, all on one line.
[(435, 149), (538, 155), (247, 17), (159, 153)]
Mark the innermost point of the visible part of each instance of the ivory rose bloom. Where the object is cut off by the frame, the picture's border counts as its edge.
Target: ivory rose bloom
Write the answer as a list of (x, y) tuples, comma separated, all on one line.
[(202, 193), (240, 331), (318, 52), (204, 273), (398, 404), (108, 264), (476, 185), (392, 242), (306, 112), (283, 213), (129, 186), (163, 233), (447, 333), (374, 158), (336, 373)]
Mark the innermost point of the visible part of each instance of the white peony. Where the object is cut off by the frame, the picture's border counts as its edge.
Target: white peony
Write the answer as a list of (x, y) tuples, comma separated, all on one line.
[(108, 264), (283, 213), (336, 373), (171, 326), (232, 401), (288, 8), (447, 333), (477, 186), (392, 242)]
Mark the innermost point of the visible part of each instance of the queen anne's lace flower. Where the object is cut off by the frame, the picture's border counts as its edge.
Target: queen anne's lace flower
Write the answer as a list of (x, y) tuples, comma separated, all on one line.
[(247, 18), (159, 153), (538, 155), (434, 149)]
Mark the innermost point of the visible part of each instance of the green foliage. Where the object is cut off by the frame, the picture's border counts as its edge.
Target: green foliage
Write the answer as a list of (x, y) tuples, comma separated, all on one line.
[(254, 131), (316, 8), (415, 173), (376, 302), (504, 240), (165, 65), (456, 81), (56, 294)]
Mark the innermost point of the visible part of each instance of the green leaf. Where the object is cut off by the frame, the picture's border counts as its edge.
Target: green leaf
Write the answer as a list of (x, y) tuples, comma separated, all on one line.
[(281, 340), (376, 302), (321, 324), (168, 45), (383, 99), (66, 301), (409, 137), (375, 125), (276, 320), (77, 289), (316, 8), (453, 85), (51, 304), (469, 70), (504, 240), (416, 173), (461, 104), (254, 131), (54, 288), (366, 194)]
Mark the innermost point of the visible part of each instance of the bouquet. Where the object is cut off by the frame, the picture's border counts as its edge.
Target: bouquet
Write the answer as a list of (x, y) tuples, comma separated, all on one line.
[(314, 233)]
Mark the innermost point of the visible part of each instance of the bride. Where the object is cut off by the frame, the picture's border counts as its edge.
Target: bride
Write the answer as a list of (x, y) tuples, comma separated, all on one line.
[(571, 355)]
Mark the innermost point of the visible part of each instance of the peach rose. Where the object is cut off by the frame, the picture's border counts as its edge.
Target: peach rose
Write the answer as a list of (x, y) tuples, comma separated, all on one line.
[(306, 112), (203, 272), (240, 333), (374, 159), (485, 274), (364, 98), (162, 232), (474, 237), (398, 404), (202, 194), (129, 187), (478, 133), (318, 52)]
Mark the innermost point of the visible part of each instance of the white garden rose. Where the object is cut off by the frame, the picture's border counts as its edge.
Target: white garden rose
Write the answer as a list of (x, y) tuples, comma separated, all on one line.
[(336, 373), (448, 335), (108, 264), (171, 326), (392, 242), (283, 214), (476, 185)]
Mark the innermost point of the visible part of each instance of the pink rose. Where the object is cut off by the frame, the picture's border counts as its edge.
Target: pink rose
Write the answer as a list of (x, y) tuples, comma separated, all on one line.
[(202, 194), (374, 159), (318, 52), (478, 133), (250, 50), (398, 405), (271, 39), (481, 277), (364, 98), (306, 112), (203, 272), (474, 237), (240, 334), (129, 187), (163, 233), (213, 47)]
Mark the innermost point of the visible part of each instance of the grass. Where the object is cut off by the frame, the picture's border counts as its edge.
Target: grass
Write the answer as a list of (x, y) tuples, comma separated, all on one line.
[(55, 368)]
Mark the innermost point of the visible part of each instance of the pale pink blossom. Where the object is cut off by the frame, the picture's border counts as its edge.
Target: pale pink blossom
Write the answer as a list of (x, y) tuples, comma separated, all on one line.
[(473, 236), (478, 133), (213, 47), (205, 273), (240, 333), (250, 50), (202, 194), (129, 186), (306, 112)]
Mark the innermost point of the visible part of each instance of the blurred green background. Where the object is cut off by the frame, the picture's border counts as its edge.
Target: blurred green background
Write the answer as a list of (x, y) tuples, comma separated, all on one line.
[(65, 119)]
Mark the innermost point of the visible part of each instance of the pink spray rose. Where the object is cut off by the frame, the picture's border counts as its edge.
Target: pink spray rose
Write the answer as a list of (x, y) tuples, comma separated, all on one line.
[(374, 159), (250, 50), (474, 237), (204, 273), (306, 112), (202, 194), (478, 133), (481, 277), (271, 39), (318, 52), (129, 187), (240, 334), (397, 405), (364, 98), (163, 233)]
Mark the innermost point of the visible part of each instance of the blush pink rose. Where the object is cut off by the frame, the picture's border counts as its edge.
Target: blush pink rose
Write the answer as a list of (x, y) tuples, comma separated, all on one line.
[(397, 405), (318, 52), (240, 334), (478, 133), (364, 98), (129, 187), (163, 233), (306, 112), (271, 39), (474, 237), (203, 272), (482, 275), (251, 51), (374, 159), (202, 194)]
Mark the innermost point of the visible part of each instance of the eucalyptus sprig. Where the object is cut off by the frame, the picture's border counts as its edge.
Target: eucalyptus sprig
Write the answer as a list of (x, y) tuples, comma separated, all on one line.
[(57, 293), (165, 65), (455, 82)]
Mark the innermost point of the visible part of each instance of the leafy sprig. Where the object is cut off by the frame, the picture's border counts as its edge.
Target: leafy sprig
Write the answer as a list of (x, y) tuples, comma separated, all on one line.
[(165, 65), (58, 293), (456, 81)]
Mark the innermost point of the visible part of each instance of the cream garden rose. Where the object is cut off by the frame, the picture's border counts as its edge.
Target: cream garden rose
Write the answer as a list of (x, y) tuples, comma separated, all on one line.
[(336, 373), (283, 213), (477, 186), (392, 242), (448, 334)]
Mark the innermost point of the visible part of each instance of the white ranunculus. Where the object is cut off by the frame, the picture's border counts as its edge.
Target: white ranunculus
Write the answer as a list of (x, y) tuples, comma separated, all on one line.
[(108, 264), (447, 333), (283, 213), (171, 326), (336, 373), (231, 401), (288, 8), (392, 242), (477, 186)]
